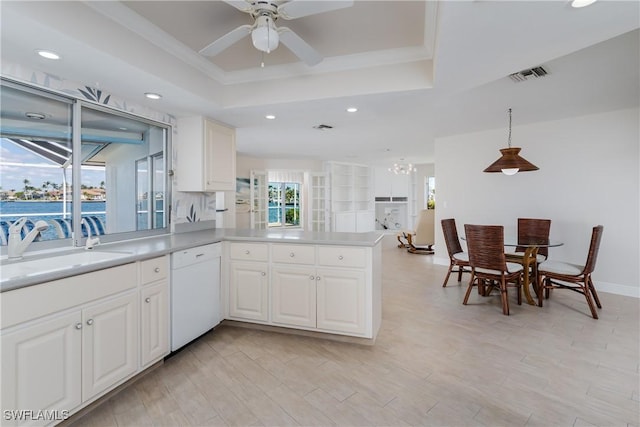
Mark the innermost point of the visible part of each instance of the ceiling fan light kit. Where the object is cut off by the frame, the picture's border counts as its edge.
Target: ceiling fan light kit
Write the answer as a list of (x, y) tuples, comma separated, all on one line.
[(265, 36), (264, 33)]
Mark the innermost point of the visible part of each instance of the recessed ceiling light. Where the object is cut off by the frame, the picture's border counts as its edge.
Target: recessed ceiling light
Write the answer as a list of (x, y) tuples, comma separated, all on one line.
[(270, 117), (152, 95), (582, 3), (48, 54), (352, 109)]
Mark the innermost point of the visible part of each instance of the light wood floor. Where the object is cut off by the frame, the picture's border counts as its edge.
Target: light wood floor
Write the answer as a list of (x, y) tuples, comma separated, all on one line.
[(435, 363)]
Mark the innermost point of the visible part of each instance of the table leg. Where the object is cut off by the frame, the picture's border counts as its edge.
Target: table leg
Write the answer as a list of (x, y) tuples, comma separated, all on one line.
[(529, 258)]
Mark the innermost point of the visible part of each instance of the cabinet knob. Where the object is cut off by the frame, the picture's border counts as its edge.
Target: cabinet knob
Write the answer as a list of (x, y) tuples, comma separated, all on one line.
[(292, 254), (312, 277), (147, 300), (157, 269), (90, 322), (264, 274), (78, 325), (247, 252), (340, 257), (317, 277)]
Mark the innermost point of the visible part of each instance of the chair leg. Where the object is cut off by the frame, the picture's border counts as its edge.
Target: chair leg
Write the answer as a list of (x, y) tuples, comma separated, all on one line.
[(466, 295), (446, 279), (518, 288), (547, 284), (504, 297), (460, 271), (593, 292), (587, 296)]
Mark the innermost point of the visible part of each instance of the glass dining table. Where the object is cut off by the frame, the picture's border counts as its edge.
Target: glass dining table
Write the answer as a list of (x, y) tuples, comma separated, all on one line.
[(528, 259)]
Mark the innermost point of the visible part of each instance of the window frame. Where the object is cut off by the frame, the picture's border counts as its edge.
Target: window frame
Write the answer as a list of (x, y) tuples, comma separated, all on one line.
[(77, 106)]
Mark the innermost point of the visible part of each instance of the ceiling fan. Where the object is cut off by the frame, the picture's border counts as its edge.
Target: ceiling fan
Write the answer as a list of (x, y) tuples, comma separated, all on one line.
[(264, 33)]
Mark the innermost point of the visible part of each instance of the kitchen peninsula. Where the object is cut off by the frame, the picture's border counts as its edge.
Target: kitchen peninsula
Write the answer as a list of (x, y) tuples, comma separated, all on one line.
[(105, 312)]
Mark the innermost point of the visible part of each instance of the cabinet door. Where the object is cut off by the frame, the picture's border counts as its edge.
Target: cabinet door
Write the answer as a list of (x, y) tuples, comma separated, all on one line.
[(344, 222), (110, 344), (41, 367), (154, 328), (293, 296), (248, 291), (341, 300), (220, 157)]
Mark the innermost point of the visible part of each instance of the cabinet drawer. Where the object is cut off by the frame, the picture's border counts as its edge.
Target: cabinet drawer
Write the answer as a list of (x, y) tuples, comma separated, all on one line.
[(153, 269), (249, 251), (293, 254), (340, 256)]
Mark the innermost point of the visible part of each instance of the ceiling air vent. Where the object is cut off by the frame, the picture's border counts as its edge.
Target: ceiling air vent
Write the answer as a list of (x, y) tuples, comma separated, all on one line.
[(530, 73), (323, 127)]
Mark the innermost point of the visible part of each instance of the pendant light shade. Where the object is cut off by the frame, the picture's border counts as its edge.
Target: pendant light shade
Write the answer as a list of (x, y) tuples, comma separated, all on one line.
[(511, 163)]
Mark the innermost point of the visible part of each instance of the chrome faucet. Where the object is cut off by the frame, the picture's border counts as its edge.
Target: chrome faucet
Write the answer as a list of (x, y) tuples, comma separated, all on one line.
[(91, 242), (17, 245)]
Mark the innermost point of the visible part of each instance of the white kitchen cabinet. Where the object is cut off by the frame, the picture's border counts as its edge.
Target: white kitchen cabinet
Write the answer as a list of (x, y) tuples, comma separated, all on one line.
[(154, 310), (249, 281), (322, 287), (293, 295), (341, 299), (249, 291), (154, 322), (42, 366), (206, 156), (109, 343)]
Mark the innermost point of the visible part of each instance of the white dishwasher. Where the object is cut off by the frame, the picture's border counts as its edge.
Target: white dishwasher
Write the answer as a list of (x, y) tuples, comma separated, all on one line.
[(195, 293)]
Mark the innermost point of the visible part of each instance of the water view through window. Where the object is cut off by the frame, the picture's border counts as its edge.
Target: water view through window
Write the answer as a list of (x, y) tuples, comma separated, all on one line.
[(100, 180), (284, 204)]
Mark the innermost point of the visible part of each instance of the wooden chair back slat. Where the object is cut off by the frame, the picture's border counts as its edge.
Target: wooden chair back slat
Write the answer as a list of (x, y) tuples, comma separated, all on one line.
[(533, 231), (485, 244), (451, 238)]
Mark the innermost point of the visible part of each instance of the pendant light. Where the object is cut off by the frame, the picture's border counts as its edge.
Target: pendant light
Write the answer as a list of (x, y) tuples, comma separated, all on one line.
[(511, 163)]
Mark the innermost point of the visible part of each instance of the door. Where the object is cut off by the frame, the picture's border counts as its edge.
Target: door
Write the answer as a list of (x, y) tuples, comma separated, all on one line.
[(341, 300), (319, 218), (293, 296), (41, 367), (259, 200), (110, 344), (248, 291), (154, 328)]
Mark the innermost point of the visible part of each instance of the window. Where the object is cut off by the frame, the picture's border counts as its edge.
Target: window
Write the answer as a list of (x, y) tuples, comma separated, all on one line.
[(83, 168), (284, 204), (430, 192)]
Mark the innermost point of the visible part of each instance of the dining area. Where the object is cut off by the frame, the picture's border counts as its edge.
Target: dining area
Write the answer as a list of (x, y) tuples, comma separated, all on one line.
[(496, 262)]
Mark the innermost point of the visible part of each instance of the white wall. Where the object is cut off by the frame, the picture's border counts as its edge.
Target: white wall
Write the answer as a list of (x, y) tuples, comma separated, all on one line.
[(588, 176)]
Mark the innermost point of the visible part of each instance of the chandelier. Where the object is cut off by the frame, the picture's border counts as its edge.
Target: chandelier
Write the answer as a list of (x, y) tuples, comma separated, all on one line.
[(402, 168)]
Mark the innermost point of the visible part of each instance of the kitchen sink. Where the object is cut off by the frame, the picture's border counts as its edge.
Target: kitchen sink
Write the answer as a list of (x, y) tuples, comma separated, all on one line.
[(35, 266)]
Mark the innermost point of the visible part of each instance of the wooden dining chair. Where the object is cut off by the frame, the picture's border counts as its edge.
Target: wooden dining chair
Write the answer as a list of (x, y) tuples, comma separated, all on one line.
[(485, 244), (564, 275), (457, 257), (532, 231)]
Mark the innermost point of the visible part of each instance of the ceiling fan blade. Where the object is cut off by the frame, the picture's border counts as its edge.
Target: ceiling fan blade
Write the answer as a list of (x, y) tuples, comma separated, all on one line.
[(299, 47), (240, 5), (227, 40), (299, 8)]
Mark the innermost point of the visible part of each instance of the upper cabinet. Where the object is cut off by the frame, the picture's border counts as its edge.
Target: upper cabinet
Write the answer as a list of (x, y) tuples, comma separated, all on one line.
[(206, 156)]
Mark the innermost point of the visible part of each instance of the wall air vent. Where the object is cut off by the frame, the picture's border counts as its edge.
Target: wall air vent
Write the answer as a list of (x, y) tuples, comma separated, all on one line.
[(323, 127), (530, 73)]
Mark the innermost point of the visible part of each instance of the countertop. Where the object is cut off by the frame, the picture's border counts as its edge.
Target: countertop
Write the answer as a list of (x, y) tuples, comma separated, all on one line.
[(150, 247)]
